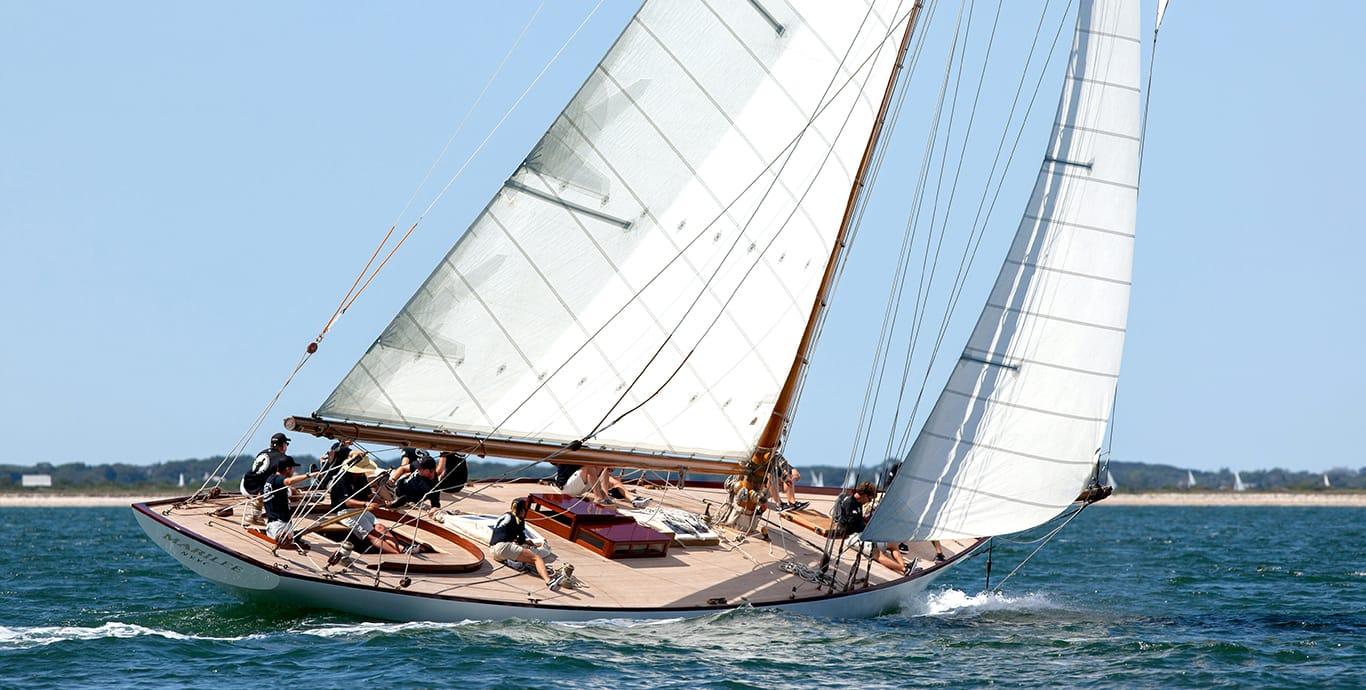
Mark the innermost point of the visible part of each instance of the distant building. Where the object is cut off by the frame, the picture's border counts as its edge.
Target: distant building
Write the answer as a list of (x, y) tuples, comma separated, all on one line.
[(34, 481)]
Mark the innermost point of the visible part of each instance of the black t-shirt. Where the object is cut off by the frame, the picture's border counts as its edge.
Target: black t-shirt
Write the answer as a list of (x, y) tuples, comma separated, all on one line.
[(457, 473), (277, 498), (848, 516), (261, 468), (413, 488), (508, 528), (350, 485)]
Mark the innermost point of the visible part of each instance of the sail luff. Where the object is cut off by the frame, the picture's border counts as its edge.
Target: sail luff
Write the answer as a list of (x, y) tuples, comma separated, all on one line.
[(782, 409), (1014, 437)]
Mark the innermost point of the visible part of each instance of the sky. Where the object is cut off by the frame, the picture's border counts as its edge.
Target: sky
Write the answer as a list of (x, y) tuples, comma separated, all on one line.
[(187, 189)]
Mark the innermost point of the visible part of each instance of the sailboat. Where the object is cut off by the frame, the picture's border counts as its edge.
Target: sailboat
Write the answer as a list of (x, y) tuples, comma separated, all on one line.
[(1110, 480), (646, 290), (1190, 479), (1238, 484), (1326, 484)]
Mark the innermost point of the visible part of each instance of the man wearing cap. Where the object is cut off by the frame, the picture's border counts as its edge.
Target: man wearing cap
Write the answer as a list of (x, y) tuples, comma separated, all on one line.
[(275, 495), (419, 485), (264, 465), (352, 491)]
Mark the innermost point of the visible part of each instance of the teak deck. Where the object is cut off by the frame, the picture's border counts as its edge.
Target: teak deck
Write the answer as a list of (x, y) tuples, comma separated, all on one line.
[(741, 568)]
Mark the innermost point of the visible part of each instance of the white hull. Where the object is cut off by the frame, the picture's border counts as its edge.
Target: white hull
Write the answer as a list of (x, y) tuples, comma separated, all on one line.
[(251, 580)]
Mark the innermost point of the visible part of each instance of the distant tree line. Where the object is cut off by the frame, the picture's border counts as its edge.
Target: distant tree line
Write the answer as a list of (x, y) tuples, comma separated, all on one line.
[(1130, 477)]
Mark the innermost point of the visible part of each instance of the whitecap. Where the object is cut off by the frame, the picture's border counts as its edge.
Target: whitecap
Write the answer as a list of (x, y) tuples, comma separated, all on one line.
[(948, 602), (38, 636), (363, 629)]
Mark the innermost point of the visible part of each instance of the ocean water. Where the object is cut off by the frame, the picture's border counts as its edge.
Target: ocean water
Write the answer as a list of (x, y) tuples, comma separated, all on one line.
[(1125, 597)]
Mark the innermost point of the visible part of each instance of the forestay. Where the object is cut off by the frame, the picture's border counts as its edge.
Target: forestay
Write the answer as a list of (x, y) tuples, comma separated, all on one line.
[(1014, 436), (591, 255)]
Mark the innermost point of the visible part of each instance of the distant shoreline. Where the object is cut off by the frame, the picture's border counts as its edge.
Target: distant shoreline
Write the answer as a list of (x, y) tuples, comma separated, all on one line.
[(1277, 498), (1252, 498)]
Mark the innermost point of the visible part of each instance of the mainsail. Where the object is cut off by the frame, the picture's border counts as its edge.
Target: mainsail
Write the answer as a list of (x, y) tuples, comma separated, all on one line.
[(1015, 434), (687, 199)]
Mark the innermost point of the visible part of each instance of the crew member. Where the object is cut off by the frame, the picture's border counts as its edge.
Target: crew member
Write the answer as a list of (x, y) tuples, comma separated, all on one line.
[(848, 518), (264, 465), (275, 495), (418, 486), (508, 544), (352, 491)]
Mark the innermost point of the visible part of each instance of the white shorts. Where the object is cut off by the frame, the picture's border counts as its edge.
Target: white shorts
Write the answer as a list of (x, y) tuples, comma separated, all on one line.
[(576, 485), (507, 551), (361, 525), (275, 528)]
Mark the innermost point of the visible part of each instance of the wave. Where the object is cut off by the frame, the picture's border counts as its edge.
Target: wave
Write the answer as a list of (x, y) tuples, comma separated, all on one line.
[(39, 636), (954, 602), (367, 629)]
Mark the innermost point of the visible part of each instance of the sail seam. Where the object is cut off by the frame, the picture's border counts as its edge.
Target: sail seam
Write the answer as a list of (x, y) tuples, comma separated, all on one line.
[(1079, 274), (968, 489), (1053, 317), (1051, 365), (1079, 226), (976, 444), (1062, 172), (1093, 130), (446, 362), (782, 183), (1102, 82), (998, 401), (782, 89), (1107, 34), (573, 316)]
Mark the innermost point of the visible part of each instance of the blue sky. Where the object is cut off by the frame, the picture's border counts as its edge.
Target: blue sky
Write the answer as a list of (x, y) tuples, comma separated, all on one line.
[(186, 191)]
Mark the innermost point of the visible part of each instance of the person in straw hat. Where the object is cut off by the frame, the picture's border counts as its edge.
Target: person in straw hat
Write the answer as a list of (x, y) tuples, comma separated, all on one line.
[(353, 491)]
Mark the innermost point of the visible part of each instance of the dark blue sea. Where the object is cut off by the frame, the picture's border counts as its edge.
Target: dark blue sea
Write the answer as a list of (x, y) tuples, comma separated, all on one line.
[(1125, 597)]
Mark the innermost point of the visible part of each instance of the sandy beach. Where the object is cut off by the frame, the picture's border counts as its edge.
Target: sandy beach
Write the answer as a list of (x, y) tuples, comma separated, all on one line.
[(37, 500), (1345, 499)]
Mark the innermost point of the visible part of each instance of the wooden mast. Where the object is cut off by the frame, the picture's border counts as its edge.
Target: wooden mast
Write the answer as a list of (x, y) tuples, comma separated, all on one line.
[(782, 410)]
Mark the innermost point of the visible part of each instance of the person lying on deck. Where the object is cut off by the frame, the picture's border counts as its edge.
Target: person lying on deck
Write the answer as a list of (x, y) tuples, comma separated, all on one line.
[(275, 493), (509, 543), (352, 491), (601, 486)]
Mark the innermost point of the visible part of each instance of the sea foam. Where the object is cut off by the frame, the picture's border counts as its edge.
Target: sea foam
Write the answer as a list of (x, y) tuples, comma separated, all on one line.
[(38, 636)]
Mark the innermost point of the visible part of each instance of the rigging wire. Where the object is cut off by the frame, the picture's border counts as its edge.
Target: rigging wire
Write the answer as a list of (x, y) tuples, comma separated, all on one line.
[(965, 264), (354, 292)]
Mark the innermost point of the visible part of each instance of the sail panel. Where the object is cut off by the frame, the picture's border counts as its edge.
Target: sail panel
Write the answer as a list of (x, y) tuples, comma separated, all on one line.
[(1015, 434), (663, 228)]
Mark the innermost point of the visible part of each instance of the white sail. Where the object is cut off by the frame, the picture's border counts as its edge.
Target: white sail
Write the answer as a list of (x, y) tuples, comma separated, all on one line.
[(1190, 479), (1110, 480), (530, 328), (1327, 484), (1013, 438), (1238, 484)]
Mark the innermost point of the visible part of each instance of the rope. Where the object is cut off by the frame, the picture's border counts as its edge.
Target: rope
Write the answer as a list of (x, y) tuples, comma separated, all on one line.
[(1043, 541)]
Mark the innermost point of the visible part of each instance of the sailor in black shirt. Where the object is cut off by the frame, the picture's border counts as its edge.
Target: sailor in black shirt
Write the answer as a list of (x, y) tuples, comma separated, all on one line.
[(418, 486), (848, 516), (508, 544), (264, 465), (276, 500)]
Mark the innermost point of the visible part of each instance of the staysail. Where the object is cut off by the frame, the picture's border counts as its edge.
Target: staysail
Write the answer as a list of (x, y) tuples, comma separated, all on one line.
[(1015, 434), (687, 197)]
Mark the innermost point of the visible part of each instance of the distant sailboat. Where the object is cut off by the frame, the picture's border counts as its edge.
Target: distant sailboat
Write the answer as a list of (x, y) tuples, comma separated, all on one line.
[(1326, 484), (817, 479), (1110, 480), (1190, 479), (182, 480), (1238, 484)]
